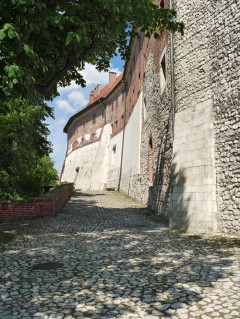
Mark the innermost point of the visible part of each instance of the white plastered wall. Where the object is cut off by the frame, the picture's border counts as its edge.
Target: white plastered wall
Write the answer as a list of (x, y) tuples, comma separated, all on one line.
[(132, 145), (115, 151), (83, 158)]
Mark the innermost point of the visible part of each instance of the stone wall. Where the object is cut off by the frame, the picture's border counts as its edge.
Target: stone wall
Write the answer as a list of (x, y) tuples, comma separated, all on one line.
[(225, 75), (181, 160), (157, 126), (193, 197)]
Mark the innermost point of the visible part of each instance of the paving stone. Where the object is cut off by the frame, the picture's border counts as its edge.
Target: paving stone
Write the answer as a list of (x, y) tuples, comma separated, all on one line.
[(116, 260)]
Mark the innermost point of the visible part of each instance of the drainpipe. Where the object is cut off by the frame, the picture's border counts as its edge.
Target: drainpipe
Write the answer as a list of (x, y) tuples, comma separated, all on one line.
[(124, 122), (172, 75)]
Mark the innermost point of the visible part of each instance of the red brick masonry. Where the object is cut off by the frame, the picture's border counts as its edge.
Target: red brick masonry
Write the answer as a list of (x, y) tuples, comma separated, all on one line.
[(46, 205)]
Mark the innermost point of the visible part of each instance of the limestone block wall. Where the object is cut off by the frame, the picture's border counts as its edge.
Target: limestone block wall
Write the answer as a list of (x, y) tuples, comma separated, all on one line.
[(225, 75), (193, 200), (207, 81), (193, 197)]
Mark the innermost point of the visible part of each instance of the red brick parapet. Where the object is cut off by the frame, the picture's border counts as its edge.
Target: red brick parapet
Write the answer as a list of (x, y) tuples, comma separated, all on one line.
[(45, 205)]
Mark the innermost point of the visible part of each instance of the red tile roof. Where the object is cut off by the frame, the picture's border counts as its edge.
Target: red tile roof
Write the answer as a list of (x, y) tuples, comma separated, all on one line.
[(107, 89)]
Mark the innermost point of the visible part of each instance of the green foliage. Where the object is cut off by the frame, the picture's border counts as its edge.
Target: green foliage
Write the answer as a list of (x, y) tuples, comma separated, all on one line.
[(46, 171), (5, 237), (45, 43), (56, 185), (24, 163)]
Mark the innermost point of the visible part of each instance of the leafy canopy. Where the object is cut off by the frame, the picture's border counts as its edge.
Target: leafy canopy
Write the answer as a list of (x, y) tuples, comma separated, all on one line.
[(24, 163), (45, 43)]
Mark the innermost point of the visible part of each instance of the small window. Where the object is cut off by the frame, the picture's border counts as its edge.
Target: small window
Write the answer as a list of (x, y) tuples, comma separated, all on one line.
[(92, 136), (94, 118), (162, 4), (114, 150), (116, 126), (163, 71), (163, 67), (150, 161), (82, 140)]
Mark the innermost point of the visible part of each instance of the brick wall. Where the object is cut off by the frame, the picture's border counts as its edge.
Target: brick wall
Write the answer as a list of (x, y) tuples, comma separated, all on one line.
[(46, 205)]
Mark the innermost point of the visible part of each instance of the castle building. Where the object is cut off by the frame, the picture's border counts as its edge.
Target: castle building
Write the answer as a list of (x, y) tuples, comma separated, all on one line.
[(166, 131)]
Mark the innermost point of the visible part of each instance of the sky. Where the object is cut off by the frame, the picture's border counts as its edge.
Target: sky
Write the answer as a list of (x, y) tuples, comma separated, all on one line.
[(72, 99)]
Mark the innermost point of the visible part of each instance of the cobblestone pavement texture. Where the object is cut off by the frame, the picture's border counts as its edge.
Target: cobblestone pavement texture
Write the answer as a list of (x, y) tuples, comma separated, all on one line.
[(103, 256)]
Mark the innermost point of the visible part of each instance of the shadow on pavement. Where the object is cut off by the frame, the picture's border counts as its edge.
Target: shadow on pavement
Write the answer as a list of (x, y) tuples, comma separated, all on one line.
[(114, 262)]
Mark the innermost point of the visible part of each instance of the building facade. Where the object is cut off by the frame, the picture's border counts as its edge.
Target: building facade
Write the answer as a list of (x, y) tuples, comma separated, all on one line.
[(166, 131)]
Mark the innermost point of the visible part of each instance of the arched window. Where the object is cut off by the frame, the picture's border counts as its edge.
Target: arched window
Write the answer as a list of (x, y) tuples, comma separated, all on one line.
[(150, 161)]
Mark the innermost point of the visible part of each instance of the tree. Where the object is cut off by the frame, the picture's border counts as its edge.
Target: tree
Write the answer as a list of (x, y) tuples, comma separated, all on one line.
[(23, 140), (46, 171), (45, 43)]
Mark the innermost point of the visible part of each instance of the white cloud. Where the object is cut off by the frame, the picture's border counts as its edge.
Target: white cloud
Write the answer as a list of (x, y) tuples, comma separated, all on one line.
[(93, 76), (72, 86), (65, 106), (78, 98)]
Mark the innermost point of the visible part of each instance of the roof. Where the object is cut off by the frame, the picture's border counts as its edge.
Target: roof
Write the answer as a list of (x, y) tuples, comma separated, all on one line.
[(107, 89), (103, 94)]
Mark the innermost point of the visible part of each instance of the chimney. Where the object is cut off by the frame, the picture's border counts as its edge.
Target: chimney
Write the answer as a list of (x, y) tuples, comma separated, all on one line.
[(112, 78), (97, 90), (91, 96)]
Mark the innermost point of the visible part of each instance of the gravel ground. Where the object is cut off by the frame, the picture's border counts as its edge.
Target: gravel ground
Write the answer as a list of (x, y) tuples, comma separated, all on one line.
[(105, 256)]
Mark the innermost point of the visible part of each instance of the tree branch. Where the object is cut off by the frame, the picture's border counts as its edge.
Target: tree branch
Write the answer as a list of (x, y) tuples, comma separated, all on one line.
[(47, 88)]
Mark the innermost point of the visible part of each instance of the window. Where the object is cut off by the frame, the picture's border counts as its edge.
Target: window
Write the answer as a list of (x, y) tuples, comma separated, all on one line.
[(163, 71), (116, 126), (114, 150), (150, 161), (163, 67), (162, 4), (92, 136), (94, 118), (82, 140)]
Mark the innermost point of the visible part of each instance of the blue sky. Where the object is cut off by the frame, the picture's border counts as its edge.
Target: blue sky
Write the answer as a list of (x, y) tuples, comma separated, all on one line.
[(71, 100)]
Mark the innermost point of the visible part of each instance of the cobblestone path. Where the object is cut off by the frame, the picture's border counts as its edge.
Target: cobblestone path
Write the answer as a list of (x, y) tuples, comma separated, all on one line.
[(104, 257)]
